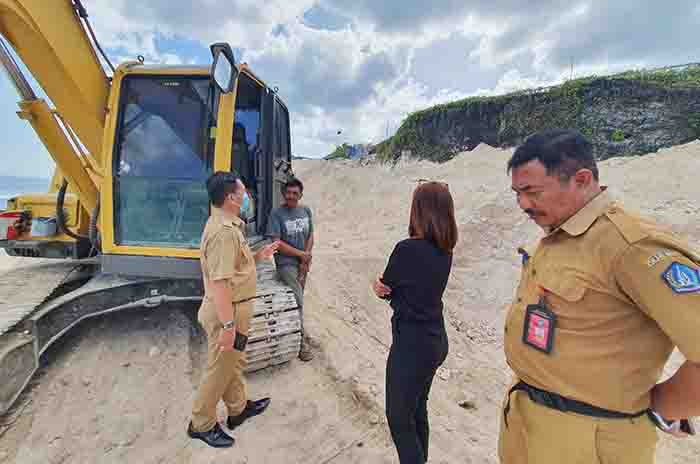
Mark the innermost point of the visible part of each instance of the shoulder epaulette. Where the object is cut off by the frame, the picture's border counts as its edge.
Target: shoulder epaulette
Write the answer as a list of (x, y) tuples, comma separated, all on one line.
[(631, 228)]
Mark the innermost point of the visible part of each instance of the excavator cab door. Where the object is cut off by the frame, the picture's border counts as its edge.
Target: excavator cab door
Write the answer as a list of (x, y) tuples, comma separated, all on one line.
[(273, 167), (263, 165)]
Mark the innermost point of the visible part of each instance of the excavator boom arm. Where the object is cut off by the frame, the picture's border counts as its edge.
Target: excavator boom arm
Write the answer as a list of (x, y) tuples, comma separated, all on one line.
[(50, 39)]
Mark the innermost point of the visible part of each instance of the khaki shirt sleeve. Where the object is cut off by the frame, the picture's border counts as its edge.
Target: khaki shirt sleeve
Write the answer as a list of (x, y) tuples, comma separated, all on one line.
[(222, 252), (664, 281)]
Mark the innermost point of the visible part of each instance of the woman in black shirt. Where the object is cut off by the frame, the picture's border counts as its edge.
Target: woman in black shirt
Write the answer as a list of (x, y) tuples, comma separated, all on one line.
[(414, 282)]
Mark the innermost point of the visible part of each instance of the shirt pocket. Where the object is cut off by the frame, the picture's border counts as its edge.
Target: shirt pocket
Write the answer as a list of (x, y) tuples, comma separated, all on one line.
[(563, 289), (565, 296)]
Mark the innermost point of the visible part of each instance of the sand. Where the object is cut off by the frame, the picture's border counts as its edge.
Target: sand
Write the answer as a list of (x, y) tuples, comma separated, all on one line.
[(8, 262), (120, 389)]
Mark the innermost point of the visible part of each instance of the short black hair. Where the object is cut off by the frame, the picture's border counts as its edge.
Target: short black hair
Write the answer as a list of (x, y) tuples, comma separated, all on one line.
[(562, 151), (293, 182), (220, 184)]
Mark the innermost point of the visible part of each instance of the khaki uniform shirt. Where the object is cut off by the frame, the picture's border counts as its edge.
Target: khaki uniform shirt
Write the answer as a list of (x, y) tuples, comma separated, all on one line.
[(225, 254), (624, 292)]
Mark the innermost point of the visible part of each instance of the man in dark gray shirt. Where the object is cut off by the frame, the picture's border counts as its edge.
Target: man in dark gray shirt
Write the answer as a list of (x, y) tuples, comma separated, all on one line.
[(292, 224)]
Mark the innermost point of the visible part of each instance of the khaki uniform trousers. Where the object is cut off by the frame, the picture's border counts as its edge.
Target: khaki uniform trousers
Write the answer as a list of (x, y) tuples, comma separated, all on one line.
[(537, 434), (223, 378)]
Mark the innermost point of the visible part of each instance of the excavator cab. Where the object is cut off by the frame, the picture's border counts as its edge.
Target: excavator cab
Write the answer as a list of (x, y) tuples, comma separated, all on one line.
[(172, 128)]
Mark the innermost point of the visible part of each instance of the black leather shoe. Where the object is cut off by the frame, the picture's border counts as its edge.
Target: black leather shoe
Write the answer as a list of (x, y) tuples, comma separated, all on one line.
[(215, 437), (252, 408)]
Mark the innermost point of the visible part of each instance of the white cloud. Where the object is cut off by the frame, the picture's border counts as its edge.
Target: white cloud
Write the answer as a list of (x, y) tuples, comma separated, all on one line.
[(171, 58), (512, 81), (244, 23), (378, 61)]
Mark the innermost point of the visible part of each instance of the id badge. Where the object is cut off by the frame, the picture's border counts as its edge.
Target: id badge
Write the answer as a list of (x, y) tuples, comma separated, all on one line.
[(539, 328)]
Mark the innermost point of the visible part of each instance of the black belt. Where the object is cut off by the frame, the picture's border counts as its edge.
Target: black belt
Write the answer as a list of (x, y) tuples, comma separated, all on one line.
[(558, 402)]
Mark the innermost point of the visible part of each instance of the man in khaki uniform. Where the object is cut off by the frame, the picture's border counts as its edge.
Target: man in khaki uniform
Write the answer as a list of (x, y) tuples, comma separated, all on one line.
[(229, 273), (603, 300)]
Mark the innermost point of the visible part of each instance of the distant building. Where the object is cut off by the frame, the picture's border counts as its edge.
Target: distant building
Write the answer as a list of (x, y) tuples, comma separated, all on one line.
[(357, 151)]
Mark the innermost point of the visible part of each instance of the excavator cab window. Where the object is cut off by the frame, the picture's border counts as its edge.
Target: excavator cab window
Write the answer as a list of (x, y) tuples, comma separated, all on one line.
[(163, 156), (281, 150)]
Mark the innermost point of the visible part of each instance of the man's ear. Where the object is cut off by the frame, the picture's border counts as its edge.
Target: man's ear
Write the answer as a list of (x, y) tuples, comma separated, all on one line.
[(583, 178)]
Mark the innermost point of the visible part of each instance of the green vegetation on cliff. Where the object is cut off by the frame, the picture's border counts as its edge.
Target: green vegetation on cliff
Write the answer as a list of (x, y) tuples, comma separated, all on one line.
[(340, 152), (594, 105)]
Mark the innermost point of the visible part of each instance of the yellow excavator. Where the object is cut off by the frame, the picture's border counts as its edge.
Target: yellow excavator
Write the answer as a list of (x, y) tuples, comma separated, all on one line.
[(127, 203)]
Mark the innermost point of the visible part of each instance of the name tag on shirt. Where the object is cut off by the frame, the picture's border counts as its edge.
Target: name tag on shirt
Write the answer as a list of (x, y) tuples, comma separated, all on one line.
[(540, 325)]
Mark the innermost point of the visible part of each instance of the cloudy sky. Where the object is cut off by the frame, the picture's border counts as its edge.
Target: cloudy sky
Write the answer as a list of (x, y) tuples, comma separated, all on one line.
[(361, 66)]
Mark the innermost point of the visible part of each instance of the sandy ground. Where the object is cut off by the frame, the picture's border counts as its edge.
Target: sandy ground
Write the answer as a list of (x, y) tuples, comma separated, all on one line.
[(120, 389), (9, 262)]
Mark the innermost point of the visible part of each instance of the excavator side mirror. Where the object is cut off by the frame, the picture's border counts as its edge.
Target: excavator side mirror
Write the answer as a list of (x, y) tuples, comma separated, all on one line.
[(223, 68)]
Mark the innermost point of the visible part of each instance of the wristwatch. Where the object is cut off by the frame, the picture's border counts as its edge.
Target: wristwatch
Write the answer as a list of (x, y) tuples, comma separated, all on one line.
[(661, 422), (686, 425), (229, 325)]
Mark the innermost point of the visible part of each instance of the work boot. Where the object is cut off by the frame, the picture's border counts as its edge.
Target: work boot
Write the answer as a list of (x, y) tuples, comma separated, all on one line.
[(252, 408), (215, 437), (305, 353)]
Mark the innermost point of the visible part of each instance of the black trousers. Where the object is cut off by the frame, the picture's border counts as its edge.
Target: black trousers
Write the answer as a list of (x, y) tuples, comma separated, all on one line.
[(416, 353)]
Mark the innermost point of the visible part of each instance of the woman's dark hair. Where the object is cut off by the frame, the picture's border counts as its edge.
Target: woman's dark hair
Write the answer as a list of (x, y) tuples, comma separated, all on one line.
[(433, 216)]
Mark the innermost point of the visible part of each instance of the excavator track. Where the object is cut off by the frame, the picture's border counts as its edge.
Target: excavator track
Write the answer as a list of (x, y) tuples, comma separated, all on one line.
[(23, 289), (63, 294)]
